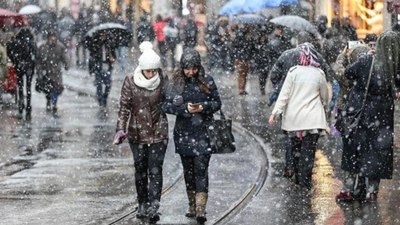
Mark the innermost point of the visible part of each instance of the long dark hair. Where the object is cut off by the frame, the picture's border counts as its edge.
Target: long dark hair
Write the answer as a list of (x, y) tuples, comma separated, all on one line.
[(179, 80)]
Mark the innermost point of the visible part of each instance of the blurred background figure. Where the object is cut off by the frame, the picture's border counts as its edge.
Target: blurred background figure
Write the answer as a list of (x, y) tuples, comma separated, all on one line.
[(144, 30), (158, 27), (65, 27), (218, 41), (102, 57), (21, 51), (171, 31), (50, 61)]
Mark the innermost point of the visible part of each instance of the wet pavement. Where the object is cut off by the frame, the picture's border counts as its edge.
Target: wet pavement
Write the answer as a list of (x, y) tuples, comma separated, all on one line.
[(64, 169)]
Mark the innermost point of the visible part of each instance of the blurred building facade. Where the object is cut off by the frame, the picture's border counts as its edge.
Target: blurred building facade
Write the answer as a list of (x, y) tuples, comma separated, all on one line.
[(369, 16)]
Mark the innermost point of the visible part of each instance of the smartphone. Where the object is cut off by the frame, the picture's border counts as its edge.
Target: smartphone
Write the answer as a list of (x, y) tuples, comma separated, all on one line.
[(194, 105), (352, 44)]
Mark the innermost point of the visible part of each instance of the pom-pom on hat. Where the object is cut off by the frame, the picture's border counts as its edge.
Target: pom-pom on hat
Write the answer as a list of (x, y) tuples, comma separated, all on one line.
[(149, 58)]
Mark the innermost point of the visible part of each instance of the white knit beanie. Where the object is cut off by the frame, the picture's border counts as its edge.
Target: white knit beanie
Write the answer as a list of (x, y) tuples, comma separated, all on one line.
[(149, 58)]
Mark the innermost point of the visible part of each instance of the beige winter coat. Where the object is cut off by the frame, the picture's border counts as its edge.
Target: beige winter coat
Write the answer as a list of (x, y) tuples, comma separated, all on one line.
[(302, 99), (3, 63)]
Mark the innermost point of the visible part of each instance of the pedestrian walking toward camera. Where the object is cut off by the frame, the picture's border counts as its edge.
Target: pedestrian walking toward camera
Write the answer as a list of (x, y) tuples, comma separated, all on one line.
[(303, 96), (51, 58), (141, 120), (376, 85), (193, 98)]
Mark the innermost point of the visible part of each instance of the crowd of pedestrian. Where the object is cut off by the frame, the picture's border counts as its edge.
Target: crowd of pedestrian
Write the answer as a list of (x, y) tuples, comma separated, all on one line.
[(311, 78)]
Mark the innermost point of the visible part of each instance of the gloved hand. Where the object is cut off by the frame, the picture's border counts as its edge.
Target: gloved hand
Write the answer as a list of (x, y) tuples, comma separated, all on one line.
[(119, 137), (178, 100)]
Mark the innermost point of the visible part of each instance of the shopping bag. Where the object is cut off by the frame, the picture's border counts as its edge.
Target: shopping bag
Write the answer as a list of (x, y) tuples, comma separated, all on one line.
[(10, 82)]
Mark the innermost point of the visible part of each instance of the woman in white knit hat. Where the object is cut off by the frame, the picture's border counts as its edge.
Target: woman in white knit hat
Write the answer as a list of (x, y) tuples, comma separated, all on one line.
[(141, 120)]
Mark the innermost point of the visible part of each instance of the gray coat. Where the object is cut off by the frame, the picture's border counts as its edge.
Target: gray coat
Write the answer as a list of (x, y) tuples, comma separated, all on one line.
[(50, 60)]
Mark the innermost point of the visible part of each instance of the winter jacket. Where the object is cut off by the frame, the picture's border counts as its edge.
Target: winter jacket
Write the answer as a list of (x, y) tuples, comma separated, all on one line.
[(340, 66), (3, 63), (140, 112), (158, 28), (275, 47), (243, 45), (302, 98), (190, 135), (100, 56), (50, 60), (144, 31), (190, 31), (289, 59), (22, 50), (374, 138)]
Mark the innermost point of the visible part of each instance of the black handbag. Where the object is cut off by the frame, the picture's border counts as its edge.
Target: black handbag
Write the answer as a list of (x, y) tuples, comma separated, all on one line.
[(220, 133), (348, 122), (40, 84)]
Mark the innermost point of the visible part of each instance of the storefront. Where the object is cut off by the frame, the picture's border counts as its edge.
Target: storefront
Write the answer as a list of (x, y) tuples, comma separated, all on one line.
[(368, 16)]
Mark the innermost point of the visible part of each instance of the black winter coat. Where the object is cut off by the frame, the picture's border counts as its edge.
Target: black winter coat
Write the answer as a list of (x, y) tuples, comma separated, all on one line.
[(290, 58), (190, 135), (371, 154), (22, 50)]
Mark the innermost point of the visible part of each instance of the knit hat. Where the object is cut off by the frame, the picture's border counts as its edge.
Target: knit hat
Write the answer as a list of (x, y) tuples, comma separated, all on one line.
[(149, 58)]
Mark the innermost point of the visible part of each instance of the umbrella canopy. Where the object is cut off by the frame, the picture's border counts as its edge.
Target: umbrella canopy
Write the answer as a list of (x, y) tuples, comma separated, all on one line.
[(244, 6), (7, 13), (9, 17), (249, 19), (295, 22), (30, 9), (115, 33)]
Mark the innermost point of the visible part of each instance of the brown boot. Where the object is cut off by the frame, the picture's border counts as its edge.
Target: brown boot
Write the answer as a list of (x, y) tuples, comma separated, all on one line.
[(192, 204), (201, 202)]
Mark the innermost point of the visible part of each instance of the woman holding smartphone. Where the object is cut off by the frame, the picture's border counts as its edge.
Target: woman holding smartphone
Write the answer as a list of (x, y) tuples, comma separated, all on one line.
[(193, 97), (147, 129)]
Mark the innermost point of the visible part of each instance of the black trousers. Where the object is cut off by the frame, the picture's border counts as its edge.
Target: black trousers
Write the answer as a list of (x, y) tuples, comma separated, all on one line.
[(24, 70), (148, 160), (301, 156), (195, 169)]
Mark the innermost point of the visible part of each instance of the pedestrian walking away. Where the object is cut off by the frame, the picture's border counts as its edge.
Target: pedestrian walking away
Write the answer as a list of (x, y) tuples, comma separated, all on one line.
[(141, 120), (303, 96), (51, 57), (102, 58), (21, 51), (288, 59), (376, 87), (193, 97), (349, 148)]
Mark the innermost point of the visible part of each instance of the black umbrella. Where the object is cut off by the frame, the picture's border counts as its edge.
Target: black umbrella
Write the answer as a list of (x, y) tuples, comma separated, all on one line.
[(115, 33)]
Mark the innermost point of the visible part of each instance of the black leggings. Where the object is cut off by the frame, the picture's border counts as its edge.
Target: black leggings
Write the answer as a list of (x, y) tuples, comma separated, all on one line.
[(149, 159), (195, 169), (27, 72)]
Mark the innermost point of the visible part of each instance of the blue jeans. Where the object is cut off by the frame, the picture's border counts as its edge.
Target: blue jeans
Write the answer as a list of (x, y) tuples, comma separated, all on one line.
[(52, 96), (102, 78)]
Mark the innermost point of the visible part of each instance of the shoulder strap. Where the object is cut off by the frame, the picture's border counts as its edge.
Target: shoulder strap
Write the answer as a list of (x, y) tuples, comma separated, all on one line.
[(368, 82)]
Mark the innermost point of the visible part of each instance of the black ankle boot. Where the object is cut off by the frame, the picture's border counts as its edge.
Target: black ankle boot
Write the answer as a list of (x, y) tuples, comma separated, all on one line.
[(153, 213), (141, 211)]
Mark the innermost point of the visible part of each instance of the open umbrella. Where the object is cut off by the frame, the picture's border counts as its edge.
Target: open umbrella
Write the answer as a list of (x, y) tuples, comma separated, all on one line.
[(245, 6), (249, 19), (115, 33), (30, 9), (9, 17), (295, 22)]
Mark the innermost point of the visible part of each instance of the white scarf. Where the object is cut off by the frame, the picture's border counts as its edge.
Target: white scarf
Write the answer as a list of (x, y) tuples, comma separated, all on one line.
[(140, 80)]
